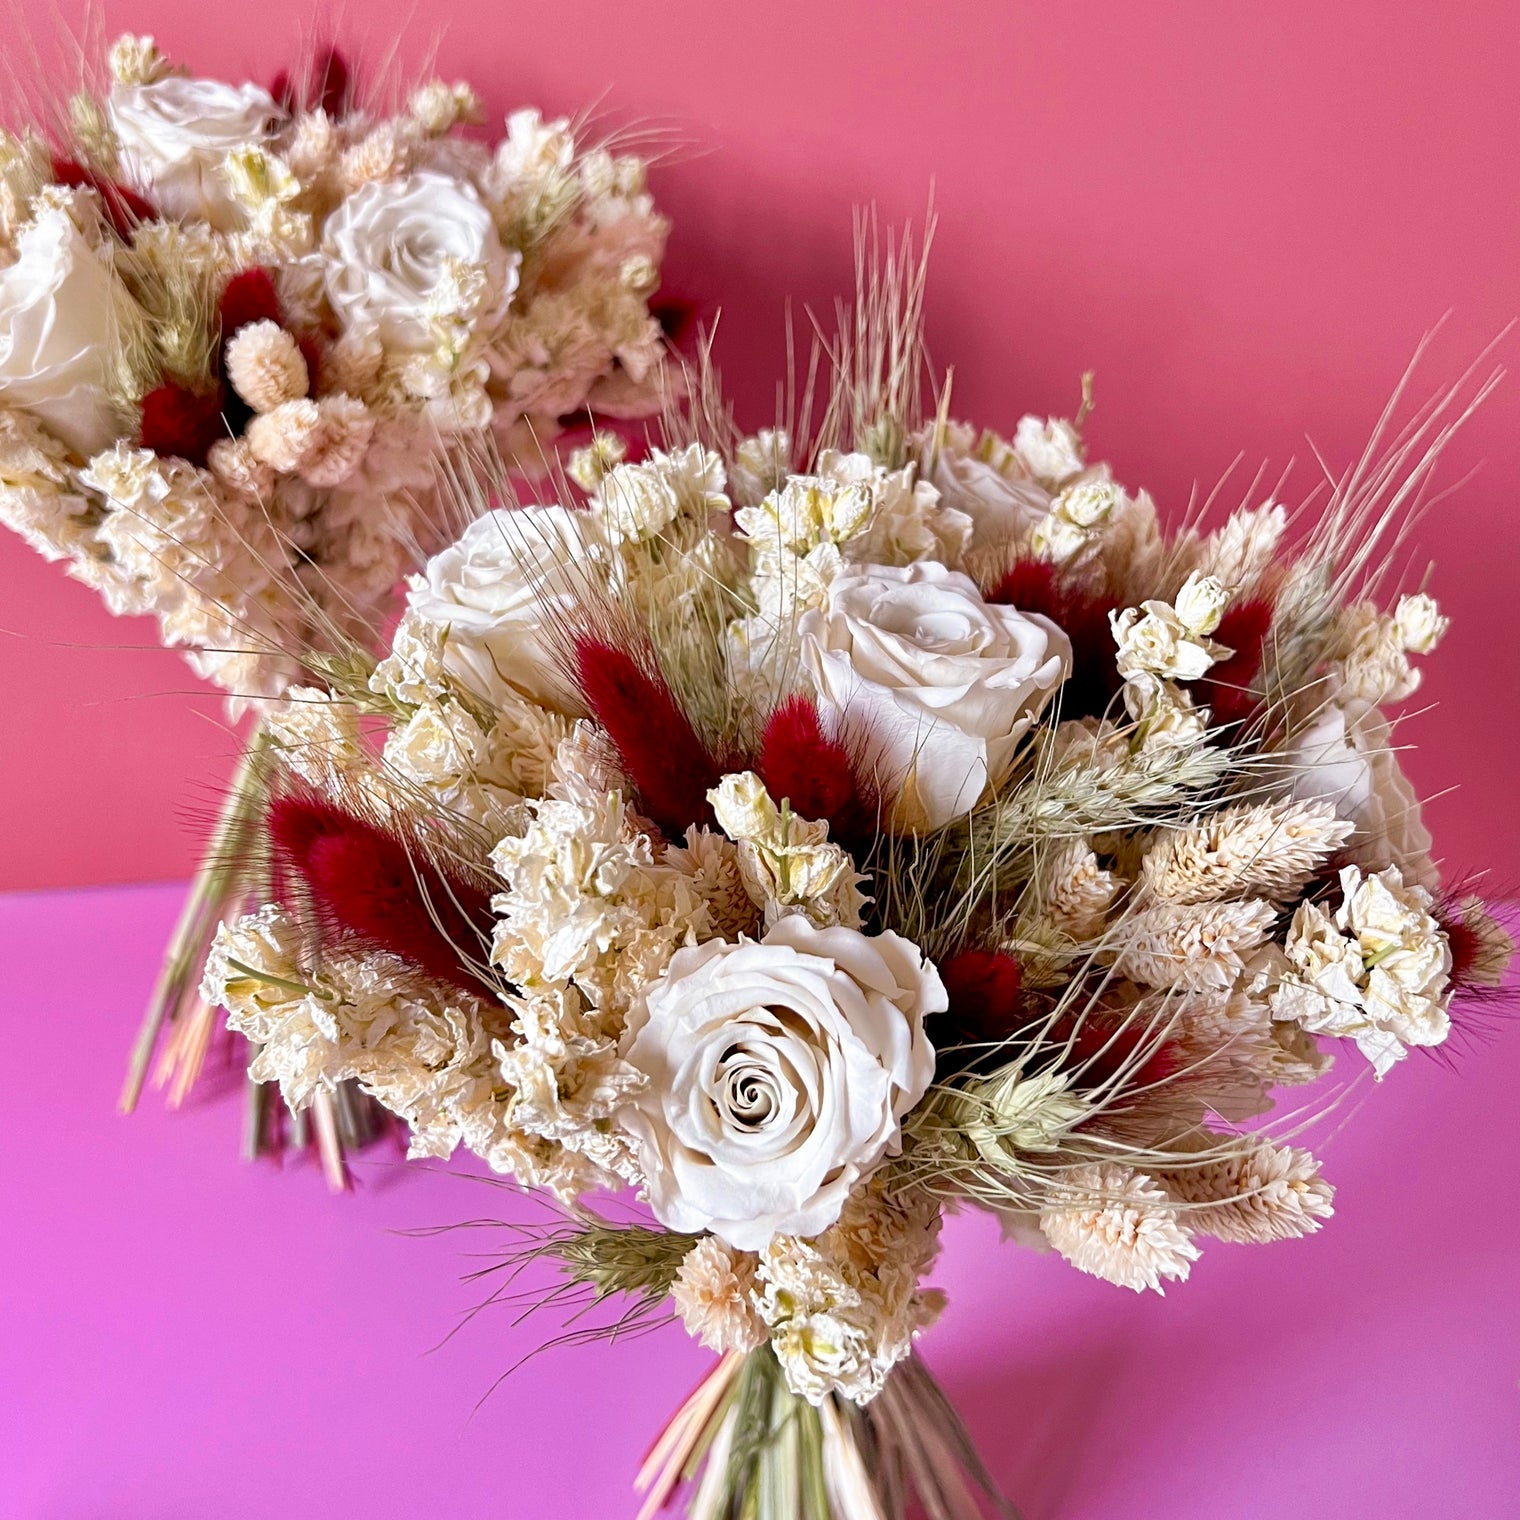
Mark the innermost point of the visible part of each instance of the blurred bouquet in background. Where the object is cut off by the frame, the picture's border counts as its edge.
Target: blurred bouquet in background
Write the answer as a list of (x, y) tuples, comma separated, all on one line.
[(238, 329), (814, 830)]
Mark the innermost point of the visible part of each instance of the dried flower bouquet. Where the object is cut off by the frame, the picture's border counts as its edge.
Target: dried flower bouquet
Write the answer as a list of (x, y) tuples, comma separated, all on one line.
[(815, 830), (239, 326)]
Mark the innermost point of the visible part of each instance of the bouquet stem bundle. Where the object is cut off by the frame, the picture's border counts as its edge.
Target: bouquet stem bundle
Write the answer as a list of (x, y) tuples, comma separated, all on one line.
[(178, 1024), (218, 887), (754, 1450)]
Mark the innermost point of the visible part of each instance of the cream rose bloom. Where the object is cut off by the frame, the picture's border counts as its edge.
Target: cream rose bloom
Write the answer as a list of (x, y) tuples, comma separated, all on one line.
[(1003, 507), (778, 1074), (60, 309), (1351, 763), (175, 135), (935, 684), (392, 245), (494, 593)]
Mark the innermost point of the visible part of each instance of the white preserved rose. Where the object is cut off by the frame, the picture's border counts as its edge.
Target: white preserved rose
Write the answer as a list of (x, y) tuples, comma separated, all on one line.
[(392, 245), (1350, 762), (61, 308), (1002, 507), (936, 685), (778, 1074), (175, 135), (494, 593)]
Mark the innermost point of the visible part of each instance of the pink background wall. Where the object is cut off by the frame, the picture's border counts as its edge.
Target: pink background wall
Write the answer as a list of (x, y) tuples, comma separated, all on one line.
[(1241, 216), (187, 1338)]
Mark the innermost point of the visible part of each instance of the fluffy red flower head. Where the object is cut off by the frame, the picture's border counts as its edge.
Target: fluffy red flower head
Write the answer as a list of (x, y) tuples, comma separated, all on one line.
[(180, 422), (249, 297), (125, 209)]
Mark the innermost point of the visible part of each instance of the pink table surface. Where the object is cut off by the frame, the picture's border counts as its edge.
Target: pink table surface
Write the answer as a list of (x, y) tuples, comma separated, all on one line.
[(184, 1336)]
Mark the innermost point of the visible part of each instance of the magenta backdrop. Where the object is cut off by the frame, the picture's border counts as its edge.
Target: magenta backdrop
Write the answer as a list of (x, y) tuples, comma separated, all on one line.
[(183, 1337), (1241, 216)]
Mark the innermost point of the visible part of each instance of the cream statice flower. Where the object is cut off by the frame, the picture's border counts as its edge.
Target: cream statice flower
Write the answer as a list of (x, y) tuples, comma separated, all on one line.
[(712, 1293), (760, 466), (1376, 971), (711, 860), (586, 902), (566, 1077), (907, 522), (844, 1308), (778, 1074), (1165, 715), (425, 1054), (1049, 449), (850, 510), (1115, 1223), (1419, 623), (1370, 665), (642, 501), (318, 736), (1078, 514), (1171, 640), (786, 863)]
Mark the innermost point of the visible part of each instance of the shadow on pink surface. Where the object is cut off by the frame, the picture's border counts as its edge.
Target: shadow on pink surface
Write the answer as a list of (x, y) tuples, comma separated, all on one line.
[(188, 1336)]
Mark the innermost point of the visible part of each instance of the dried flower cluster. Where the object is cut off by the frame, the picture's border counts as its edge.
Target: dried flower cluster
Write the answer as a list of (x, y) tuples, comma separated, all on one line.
[(851, 820), (236, 332)]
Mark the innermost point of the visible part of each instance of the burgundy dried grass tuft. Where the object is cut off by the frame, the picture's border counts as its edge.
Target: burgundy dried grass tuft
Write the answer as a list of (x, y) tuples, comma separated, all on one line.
[(181, 422), (371, 885), (125, 209), (1033, 585), (986, 993), (328, 86), (1228, 687), (671, 769), (249, 296), (817, 775)]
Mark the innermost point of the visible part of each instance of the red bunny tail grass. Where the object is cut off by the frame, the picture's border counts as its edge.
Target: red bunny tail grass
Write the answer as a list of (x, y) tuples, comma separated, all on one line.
[(1032, 585), (366, 883), (1227, 688), (986, 992), (182, 422), (817, 775), (1117, 1054), (664, 756), (249, 297), (676, 315), (332, 84), (328, 86), (1481, 947), (125, 209)]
